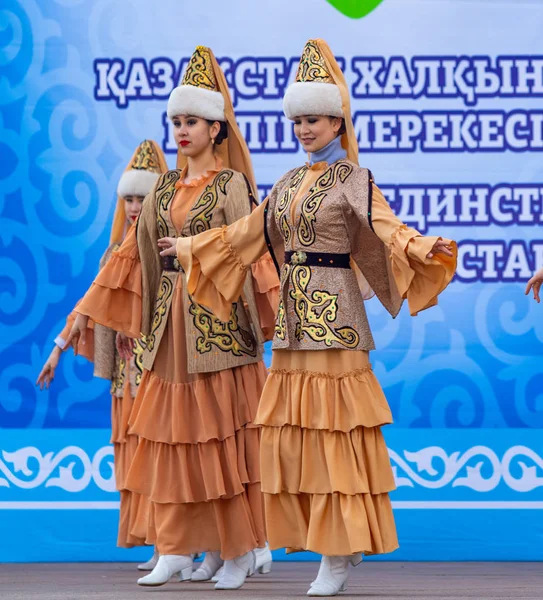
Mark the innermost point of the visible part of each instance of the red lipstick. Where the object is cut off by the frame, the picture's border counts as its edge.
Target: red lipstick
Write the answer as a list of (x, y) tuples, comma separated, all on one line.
[(184, 143)]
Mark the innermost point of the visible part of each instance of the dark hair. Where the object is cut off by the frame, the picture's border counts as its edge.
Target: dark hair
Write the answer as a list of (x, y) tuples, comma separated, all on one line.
[(342, 128), (223, 131)]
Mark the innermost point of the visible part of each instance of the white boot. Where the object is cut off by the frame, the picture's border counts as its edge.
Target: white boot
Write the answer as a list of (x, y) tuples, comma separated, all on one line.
[(150, 564), (354, 559), (332, 576), (263, 563), (236, 571), (211, 565), (263, 560), (167, 566)]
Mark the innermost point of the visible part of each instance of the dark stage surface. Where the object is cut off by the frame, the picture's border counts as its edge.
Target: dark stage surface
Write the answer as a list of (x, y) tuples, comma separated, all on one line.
[(375, 581)]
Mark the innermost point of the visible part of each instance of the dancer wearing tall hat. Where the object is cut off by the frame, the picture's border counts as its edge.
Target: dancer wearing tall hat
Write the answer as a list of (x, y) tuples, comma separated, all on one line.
[(197, 456), (124, 372), (326, 474)]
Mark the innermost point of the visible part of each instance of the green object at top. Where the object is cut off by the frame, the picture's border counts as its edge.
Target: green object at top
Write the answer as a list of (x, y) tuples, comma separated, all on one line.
[(355, 9)]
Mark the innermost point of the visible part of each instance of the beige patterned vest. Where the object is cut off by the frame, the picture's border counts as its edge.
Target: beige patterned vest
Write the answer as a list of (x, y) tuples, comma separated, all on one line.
[(131, 370), (211, 344), (321, 307)]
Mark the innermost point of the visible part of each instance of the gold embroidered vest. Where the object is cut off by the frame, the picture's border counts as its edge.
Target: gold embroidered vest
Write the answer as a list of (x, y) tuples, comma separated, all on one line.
[(321, 307), (211, 344)]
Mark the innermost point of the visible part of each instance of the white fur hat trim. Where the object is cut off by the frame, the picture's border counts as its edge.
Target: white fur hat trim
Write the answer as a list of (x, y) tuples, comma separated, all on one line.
[(312, 98), (136, 182), (197, 102)]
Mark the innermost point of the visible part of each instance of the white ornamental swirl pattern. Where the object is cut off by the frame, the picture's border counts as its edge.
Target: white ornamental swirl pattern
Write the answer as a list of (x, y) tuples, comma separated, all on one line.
[(27, 468), (432, 468), (520, 469)]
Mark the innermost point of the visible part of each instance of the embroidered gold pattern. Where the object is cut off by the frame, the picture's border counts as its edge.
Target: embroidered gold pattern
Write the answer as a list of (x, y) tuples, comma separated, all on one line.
[(219, 334), (312, 65), (202, 212), (308, 212), (317, 311), (139, 347), (282, 209), (280, 328), (117, 383), (164, 195), (146, 158), (121, 367), (161, 307), (200, 70)]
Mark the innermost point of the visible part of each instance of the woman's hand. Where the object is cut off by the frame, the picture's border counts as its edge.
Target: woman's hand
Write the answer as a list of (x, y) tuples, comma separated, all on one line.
[(124, 345), (47, 374), (78, 333), (535, 284), (440, 247), (167, 245)]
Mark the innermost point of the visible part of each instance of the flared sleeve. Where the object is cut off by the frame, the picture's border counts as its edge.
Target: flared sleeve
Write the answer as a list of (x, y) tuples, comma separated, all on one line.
[(114, 298), (266, 286), (217, 261), (264, 276), (87, 349), (419, 279)]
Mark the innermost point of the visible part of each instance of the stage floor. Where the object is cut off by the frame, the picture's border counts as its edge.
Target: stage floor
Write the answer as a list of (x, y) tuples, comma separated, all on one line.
[(372, 580)]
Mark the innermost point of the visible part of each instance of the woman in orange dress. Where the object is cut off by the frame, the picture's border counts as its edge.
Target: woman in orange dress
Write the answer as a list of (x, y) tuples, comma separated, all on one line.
[(124, 372), (326, 474), (197, 456)]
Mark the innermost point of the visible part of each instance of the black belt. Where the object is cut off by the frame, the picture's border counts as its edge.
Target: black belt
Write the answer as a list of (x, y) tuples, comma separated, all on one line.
[(318, 259), (170, 263)]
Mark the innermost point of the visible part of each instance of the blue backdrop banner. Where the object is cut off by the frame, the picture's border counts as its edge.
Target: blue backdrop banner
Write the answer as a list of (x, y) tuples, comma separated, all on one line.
[(449, 120), (460, 494)]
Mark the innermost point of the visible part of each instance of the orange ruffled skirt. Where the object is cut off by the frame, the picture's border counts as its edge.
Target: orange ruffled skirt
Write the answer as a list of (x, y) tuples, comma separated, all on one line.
[(325, 468), (135, 528), (197, 459)]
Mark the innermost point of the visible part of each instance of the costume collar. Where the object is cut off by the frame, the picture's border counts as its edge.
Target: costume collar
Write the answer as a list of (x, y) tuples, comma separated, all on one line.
[(198, 181), (329, 154)]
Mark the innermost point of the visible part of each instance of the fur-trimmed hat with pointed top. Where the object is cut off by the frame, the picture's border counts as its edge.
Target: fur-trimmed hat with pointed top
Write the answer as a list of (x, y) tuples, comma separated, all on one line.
[(142, 172), (204, 93), (314, 91), (198, 94), (320, 89), (139, 177)]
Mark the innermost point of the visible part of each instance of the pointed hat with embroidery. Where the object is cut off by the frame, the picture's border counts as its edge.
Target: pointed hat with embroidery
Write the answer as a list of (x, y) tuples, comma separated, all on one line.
[(320, 89), (198, 94), (138, 179), (204, 93)]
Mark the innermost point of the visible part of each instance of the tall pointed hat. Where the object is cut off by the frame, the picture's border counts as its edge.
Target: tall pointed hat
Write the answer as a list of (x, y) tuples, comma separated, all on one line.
[(138, 179), (320, 89), (204, 93)]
